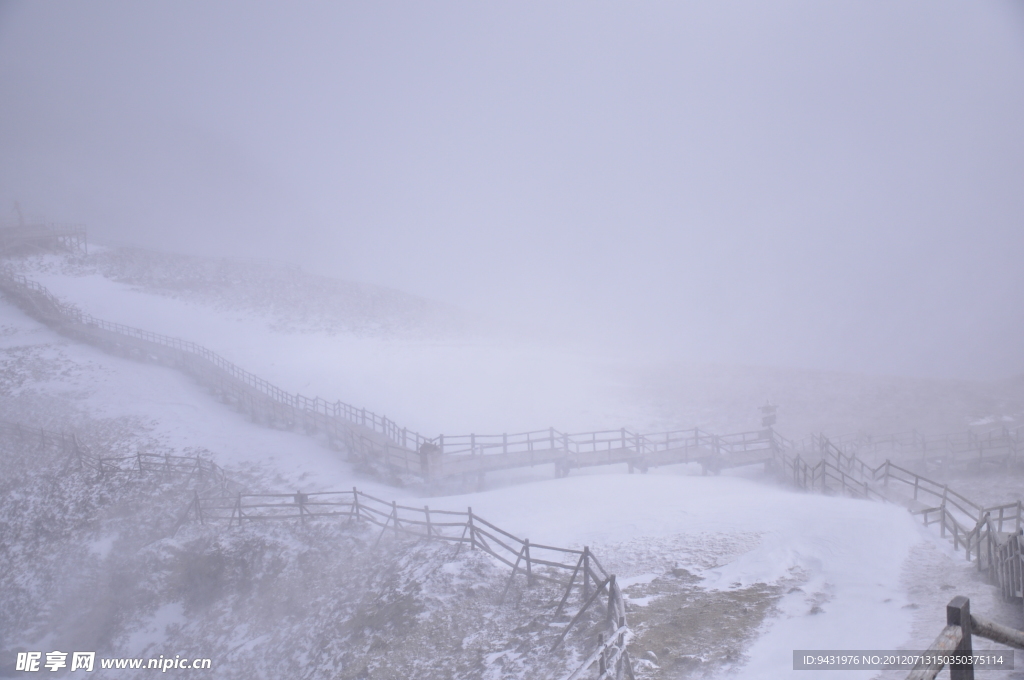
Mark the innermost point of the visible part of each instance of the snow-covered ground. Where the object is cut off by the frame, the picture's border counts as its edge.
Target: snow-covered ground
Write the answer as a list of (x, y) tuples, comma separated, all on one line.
[(846, 574), (459, 375)]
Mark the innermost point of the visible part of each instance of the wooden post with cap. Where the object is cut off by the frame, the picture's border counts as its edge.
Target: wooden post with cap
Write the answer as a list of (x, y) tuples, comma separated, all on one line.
[(958, 613)]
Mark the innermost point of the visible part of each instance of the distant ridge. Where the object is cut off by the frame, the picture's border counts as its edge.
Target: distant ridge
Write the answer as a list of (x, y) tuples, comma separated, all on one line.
[(295, 298)]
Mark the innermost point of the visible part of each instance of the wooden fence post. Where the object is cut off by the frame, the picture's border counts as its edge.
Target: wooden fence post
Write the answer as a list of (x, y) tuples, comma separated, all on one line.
[(199, 507), (958, 613), (529, 564), (472, 530), (426, 511), (586, 572), (568, 589), (612, 588), (515, 569)]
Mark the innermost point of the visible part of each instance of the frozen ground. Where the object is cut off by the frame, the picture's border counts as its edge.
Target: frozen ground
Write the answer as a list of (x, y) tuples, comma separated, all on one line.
[(722, 572)]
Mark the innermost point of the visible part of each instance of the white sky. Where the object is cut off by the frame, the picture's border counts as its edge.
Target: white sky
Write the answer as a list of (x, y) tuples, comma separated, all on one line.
[(825, 185)]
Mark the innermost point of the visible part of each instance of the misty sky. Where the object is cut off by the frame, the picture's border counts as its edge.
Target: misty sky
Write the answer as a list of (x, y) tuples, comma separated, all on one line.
[(818, 184)]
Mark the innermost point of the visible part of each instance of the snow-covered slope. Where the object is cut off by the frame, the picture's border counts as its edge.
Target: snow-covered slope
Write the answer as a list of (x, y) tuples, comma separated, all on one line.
[(434, 369), (803, 571)]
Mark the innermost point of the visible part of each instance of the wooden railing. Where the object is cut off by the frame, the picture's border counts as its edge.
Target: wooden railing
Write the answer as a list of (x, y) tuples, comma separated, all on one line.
[(572, 569), (84, 458), (819, 464), (955, 641), (982, 532), (997, 446), (568, 568), (378, 439), (830, 473), (990, 536)]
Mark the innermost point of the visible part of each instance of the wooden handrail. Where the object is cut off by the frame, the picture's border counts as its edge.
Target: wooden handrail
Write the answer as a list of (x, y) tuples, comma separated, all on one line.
[(955, 639), (997, 632), (403, 448)]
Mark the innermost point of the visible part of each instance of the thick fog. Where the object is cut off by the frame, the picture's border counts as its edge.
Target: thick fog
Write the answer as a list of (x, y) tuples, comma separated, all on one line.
[(820, 185)]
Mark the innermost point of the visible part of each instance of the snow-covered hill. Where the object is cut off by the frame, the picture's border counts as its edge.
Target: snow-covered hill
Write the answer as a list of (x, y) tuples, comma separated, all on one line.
[(435, 369), (721, 573)]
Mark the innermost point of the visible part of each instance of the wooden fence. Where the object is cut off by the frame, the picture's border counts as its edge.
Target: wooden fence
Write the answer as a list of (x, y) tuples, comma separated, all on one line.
[(819, 464), (955, 641), (567, 568), (68, 444), (824, 475), (990, 448), (985, 534), (378, 440), (992, 537)]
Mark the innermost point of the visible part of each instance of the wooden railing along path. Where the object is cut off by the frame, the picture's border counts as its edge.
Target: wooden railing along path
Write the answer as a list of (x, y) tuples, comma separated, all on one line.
[(992, 537), (573, 570), (955, 644), (83, 457), (976, 449), (819, 465), (378, 439), (822, 466), (568, 568)]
